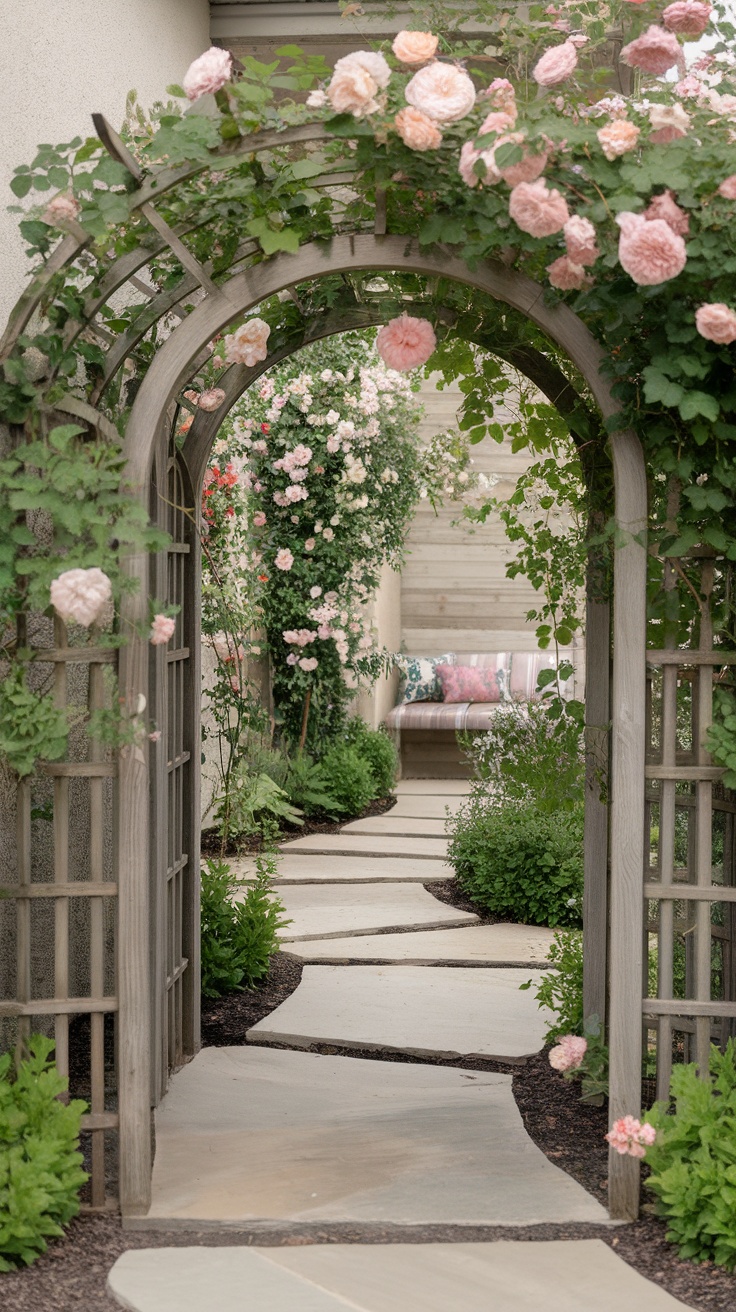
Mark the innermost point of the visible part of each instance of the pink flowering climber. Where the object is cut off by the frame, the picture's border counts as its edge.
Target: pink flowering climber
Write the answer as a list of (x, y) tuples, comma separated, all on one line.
[(580, 240), (556, 65), (568, 1053), (727, 188), (406, 342), (415, 47), (209, 73), (538, 210), (81, 595), (716, 322), (566, 275), (655, 51), (629, 1137), (618, 137), (162, 628), (62, 209), (664, 206), (649, 251), (247, 345), (443, 92), (212, 399), (688, 17), (416, 130), (283, 559)]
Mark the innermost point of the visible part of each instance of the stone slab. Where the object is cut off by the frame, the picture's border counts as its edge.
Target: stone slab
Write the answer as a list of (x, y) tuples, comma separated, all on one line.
[(476, 945), (430, 806), (257, 1135), (424, 1011), (332, 910), (432, 787), (379, 845), (310, 868), (403, 826)]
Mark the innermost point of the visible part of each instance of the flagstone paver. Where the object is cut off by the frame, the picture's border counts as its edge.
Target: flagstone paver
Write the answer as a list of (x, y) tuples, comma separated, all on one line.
[(404, 826), (311, 868), (377, 845), (584, 1275), (433, 787), (425, 1011), (430, 805), (329, 910), (261, 1134), (476, 945)]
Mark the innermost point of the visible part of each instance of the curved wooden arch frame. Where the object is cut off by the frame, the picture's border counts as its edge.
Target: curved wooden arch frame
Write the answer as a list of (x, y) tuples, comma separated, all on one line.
[(168, 373)]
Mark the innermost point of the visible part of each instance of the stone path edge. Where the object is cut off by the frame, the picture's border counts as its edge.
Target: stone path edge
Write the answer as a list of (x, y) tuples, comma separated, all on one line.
[(282, 1233), (309, 1043)]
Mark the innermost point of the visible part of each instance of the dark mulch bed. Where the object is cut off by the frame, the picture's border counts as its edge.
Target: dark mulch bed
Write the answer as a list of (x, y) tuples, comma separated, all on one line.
[(212, 844), (449, 891), (226, 1020)]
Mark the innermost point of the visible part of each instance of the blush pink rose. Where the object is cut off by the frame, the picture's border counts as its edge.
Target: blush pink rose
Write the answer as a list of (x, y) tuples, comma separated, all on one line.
[(688, 17), (716, 322), (415, 47), (727, 188), (629, 1137), (208, 73), (502, 95), (568, 1053), (283, 559), (469, 157), (668, 122), (655, 51), (81, 595), (537, 210), (664, 206), (212, 399), (497, 121), (259, 519), (355, 82), (443, 92), (416, 130), (527, 169), (308, 663), (556, 65), (247, 345), (310, 544), (618, 137), (580, 240), (62, 209), (162, 628), (648, 249), (566, 275), (406, 343)]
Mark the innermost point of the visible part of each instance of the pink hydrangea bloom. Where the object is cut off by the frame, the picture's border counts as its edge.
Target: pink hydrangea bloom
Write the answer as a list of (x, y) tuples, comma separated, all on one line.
[(537, 210), (208, 73), (81, 595), (61, 209), (649, 250), (568, 1053), (247, 345), (629, 1137), (716, 322), (443, 92), (212, 399), (618, 137), (259, 519), (566, 275), (284, 559), (406, 342), (162, 628), (556, 65), (415, 47), (580, 240), (689, 17), (655, 51), (664, 206), (728, 187), (416, 130)]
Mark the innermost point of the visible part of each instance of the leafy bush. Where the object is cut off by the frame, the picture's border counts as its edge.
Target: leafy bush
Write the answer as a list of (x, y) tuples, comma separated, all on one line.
[(306, 787), (378, 750), (348, 778), (253, 804), (529, 755), (238, 938), (520, 862), (40, 1165), (561, 989), (693, 1160)]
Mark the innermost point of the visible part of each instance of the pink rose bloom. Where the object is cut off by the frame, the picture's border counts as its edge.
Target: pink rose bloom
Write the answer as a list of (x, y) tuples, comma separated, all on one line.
[(212, 399), (689, 86), (689, 17), (443, 92), (356, 80), (528, 169), (292, 658), (649, 250), (568, 1054), (315, 592), (208, 73), (629, 1137), (669, 122), (655, 51), (406, 343), (81, 595), (716, 322), (566, 275), (556, 65), (664, 206), (618, 137), (162, 628), (324, 632), (284, 559), (502, 95), (469, 157), (259, 519), (580, 240), (537, 210), (60, 210), (290, 635), (728, 187), (308, 663), (247, 345), (301, 455), (497, 121), (416, 130), (415, 47), (154, 737), (310, 544)]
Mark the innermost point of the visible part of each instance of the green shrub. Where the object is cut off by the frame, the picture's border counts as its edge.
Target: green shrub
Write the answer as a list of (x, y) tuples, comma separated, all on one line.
[(306, 787), (561, 989), (377, 748), (348, 777), (238, 938), (40, 1165), (519, 862), (529, 756), (693, 1160)]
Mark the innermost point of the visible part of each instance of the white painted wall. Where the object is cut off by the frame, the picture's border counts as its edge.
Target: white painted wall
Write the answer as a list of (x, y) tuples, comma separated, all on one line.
[(63, 60)]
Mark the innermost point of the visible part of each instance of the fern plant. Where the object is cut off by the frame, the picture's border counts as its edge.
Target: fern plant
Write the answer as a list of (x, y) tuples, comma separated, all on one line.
[(253, 804)]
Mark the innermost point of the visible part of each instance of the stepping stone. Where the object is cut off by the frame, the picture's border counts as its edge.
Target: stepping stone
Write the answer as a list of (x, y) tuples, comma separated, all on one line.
[(334, 910), (399, 825), (430, 806), (477, 945), (315, 869), (256, 1135), (378, 845), (441, 1011), (432, 787)]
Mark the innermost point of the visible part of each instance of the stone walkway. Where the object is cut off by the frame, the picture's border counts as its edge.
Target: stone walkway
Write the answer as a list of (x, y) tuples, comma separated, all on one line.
[(271, 1134)]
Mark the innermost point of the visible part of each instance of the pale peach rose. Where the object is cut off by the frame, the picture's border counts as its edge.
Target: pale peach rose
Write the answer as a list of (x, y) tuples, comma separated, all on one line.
[(247, 345), (527, 169), (689, 17), (208, 73), (416, 130), (499, 120), (580, 240), (355, 82), (727, 189), (556, 65), (317, 99), (212, 399), (162, 628), (664, 206), (716, 322), (81, 595), (648, 249), (566, 275), (443, 92), (405, 343), (415, 47), (283, 559), (618, 137), (668, 122), (60, 210), (537, 210), (655, 51)]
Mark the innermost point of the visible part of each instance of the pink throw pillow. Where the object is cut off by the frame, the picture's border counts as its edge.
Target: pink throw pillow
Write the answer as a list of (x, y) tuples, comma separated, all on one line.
[(468, 683)]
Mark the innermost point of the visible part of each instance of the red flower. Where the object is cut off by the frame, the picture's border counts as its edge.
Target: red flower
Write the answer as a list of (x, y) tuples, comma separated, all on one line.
[(263, 578), (265, 428), (230, 511)]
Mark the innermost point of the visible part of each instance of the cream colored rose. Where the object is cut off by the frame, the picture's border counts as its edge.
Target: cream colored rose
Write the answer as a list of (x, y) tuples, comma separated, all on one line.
[(356, 81), (415, 47), (416, 130), (443, 92)]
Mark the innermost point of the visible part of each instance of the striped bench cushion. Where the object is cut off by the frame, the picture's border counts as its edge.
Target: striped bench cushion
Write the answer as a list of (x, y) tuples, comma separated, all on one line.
[(452, 716)]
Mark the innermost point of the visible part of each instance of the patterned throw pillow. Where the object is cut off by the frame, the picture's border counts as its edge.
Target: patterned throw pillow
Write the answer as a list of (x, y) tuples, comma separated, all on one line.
[(466, 683), (419, 682)]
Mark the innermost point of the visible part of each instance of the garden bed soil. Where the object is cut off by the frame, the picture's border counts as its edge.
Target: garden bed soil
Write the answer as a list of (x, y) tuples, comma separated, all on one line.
[(212, 844)]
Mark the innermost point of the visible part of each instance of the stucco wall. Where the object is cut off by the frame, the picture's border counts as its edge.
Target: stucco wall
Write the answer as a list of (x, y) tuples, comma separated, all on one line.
[(64, 59)]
